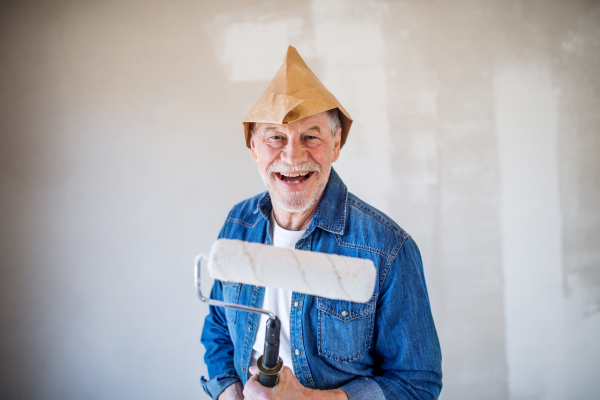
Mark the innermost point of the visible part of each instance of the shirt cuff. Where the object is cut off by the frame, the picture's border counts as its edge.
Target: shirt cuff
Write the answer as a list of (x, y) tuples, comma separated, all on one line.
[(216, 385), (363, 388)]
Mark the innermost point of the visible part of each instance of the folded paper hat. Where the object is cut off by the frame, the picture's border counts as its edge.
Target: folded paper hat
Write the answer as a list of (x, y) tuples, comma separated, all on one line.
[(294, 93)]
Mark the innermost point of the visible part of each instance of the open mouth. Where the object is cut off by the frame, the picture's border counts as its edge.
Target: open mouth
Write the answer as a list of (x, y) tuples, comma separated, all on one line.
[(293, 177)]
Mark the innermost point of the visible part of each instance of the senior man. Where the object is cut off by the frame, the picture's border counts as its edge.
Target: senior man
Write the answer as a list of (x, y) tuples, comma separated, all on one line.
[(386, 348)]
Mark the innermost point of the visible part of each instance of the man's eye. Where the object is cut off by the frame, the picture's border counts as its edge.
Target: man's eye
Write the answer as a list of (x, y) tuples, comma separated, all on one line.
[(276, 141)]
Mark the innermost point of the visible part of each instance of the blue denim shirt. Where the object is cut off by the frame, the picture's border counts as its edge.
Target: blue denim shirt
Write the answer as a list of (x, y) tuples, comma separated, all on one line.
[(386, 348)]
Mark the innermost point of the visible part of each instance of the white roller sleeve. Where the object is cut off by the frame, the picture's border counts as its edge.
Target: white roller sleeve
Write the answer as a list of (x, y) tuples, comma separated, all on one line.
[(309, 272)]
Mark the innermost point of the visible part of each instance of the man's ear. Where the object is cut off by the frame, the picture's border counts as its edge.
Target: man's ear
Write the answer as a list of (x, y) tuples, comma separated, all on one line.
[(337, 145), (252, 148)]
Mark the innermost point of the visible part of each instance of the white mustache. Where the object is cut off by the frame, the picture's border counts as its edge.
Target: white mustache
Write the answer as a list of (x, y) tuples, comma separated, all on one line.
[(280, 166)]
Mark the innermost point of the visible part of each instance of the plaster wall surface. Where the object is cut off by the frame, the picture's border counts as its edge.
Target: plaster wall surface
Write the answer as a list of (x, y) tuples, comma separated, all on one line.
[(476, 128)]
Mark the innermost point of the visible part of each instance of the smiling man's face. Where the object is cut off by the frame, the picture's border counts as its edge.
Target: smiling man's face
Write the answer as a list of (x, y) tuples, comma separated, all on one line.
[(294, 160)]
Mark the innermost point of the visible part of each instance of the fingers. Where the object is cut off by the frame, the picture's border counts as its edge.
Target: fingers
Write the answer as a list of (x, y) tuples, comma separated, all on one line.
[(287, 381), (246, 392), (255, 391)]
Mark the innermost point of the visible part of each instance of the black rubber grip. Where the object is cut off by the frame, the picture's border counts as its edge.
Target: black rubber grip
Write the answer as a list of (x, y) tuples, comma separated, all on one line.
[(270, 357), (268, 380)]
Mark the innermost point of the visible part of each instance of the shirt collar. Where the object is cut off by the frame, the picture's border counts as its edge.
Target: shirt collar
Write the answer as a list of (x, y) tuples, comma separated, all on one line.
[(331, 211)]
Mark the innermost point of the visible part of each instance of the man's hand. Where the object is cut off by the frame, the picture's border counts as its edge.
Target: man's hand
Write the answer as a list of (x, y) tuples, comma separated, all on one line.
[(288, 388), (233, 392)]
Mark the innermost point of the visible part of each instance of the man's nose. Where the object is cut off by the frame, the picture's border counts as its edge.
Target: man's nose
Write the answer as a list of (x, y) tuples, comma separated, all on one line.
[(294, 152)]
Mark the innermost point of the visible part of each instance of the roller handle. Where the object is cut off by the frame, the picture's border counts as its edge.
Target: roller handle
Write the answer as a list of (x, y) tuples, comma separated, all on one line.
[(272, 365), (269, 363)]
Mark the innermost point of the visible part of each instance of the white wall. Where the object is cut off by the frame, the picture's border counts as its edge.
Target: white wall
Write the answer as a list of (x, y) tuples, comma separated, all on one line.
[(476, 128)]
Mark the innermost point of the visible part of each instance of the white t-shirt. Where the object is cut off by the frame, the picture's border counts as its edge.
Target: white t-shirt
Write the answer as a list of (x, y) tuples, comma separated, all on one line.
[(279, 301)]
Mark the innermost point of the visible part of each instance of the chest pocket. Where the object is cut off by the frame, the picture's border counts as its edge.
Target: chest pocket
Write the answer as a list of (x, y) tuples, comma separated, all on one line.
[(345, 328), (231, 294)]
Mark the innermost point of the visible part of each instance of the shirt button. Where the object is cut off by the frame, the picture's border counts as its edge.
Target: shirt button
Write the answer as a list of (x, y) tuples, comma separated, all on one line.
[(297, 352), (243, 369), (258, 287), (249, 328), (345, 313), (296, 303)]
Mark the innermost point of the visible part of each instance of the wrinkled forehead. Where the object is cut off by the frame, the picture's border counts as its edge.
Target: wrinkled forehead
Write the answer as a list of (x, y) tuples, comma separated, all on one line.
[(313, 122)]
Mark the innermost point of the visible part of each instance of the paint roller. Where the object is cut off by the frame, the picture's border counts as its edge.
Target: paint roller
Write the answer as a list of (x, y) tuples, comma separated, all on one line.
[(313, 273)]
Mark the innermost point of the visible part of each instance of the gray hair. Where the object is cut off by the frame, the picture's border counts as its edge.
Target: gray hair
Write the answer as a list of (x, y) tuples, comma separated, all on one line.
[(333, 118)]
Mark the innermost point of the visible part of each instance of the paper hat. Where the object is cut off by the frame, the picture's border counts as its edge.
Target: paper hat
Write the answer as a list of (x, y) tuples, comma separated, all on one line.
[(294, 93)]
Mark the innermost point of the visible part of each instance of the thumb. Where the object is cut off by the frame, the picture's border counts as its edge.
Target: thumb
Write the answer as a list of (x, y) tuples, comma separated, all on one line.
[(286, 374)]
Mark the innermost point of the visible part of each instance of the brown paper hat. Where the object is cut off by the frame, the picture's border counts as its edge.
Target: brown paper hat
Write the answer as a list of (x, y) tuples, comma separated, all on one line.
[(294, 93)]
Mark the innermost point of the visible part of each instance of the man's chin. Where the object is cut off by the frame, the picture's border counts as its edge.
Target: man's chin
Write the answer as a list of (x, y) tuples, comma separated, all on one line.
[(293, 205)]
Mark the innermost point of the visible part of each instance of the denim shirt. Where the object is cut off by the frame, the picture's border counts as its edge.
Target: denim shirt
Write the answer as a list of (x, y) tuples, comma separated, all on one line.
[(386, 348)]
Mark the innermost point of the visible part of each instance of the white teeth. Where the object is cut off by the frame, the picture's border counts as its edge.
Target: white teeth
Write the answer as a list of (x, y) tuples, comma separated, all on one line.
[(293, 175)]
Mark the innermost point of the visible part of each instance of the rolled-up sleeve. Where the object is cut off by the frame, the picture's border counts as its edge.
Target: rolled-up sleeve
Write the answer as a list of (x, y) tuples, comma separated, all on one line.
[(219, 383), (363, 388)]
